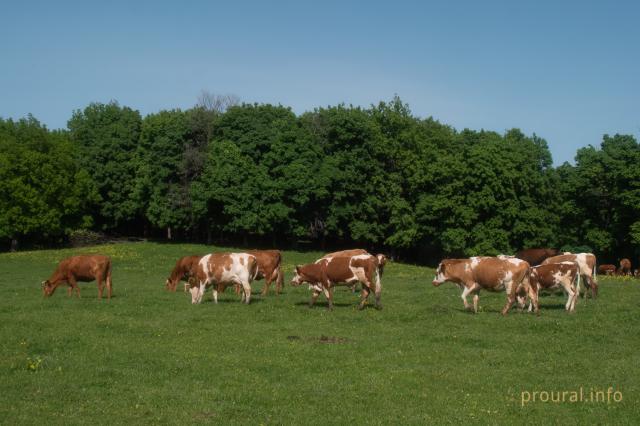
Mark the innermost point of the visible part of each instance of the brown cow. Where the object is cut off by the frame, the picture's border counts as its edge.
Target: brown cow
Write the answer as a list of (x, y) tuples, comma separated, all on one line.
[(83, 268), (587, 264), (565, 275), (607, 269), (535, 256), (625, 267), (488, 273), (269, 268), (185, 268), (222, 269), (325, 274)]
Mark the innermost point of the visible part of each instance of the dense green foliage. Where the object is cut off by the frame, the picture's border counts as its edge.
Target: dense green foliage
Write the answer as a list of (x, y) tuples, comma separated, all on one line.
[(149, 357), (376, 177)]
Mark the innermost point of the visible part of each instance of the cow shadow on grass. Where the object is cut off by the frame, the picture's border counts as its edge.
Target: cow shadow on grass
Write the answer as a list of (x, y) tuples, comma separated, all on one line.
[(231, 300), (325, 304)]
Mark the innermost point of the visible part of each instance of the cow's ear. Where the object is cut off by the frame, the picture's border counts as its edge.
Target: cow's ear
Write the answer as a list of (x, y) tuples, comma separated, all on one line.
[(298, 269)]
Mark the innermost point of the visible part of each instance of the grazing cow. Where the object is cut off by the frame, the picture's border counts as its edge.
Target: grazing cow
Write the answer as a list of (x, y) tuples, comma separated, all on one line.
[(222, 269), (535, 256), (488, 273), (636, 273), (269, 268), (607, 269), (326, 273), (185, 268), (565, 275), (625, 267), (587, 264), (84, 268)]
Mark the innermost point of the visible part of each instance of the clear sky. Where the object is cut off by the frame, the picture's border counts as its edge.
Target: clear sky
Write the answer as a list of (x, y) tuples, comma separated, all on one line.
[(568, 71)]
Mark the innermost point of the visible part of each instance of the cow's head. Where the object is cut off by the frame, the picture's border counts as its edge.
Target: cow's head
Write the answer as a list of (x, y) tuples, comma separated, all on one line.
[(169, 285), (441, 275), (47, 288), (297, 277)]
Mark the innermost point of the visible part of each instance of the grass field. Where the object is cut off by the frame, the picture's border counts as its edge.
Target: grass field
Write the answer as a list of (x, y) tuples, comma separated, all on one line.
[(149, 356)]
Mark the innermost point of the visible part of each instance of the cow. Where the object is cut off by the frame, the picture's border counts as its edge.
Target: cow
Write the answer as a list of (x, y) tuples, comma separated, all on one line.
[(327, 273), (636, 273), (269, 268), (83, 268), (488, 273), (185, 268), (625, 267), (382, 259), (565, 275), (220, 270), (535, 256), (607, 269), (587, 264)]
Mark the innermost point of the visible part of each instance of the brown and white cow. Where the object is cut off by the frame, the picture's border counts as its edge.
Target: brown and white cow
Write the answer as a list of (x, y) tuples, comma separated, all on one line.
[(587, 264), (382, 259), (222, 269), (607, 269), (269, 268), (487, 273), (83, 268), (535, 256), (185, 268), (565, 275), (625, 267), (326, 273)]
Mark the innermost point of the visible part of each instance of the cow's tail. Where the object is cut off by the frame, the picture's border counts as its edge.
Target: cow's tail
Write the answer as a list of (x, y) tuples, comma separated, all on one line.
[(577, 282), (594, 275), (255, 268)]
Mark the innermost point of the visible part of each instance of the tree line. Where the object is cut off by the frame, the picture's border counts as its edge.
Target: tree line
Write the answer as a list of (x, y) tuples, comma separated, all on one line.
[(377, 177)]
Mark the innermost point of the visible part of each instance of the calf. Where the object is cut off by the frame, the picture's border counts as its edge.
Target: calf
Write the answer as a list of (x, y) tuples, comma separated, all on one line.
[(607, 269), (222, 269), (625, 267), (83, 268), (552, 276), (488, 273), (185, 268), (326, 273), (587, 264), (269, 268)]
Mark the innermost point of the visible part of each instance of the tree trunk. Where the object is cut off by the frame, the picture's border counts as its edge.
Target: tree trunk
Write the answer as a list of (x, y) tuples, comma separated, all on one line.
[(14, 244), (168, 232), (245, 240)]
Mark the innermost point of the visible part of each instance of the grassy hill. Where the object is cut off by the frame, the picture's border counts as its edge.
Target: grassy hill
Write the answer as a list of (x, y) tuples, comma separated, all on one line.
[(149, 356)]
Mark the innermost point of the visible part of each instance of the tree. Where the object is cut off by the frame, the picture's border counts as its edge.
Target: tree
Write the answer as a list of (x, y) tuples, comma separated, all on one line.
[(43, 192), (107, 136)]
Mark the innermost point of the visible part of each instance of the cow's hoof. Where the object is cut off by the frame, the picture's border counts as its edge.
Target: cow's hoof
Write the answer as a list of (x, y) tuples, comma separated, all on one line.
[(360, 307), (379, 307)]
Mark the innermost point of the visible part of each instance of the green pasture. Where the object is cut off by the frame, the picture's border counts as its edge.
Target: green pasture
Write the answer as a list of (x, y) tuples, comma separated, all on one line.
[(149, 356)]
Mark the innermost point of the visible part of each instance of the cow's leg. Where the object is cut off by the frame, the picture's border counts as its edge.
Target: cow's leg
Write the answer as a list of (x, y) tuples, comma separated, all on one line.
[(476, 297), (201, 292), (464, 295), (267, 284), (279, 280), (74, 285), (364, 294), (214, 290), (328, 293), (314, 297), (246, 286), (533, 299)]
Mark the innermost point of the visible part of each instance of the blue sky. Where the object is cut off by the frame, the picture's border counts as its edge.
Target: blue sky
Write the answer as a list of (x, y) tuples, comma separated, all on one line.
[(568, 71)]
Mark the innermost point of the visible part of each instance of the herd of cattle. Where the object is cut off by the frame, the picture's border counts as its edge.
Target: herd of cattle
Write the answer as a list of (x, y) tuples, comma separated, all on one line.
[(522, 276)]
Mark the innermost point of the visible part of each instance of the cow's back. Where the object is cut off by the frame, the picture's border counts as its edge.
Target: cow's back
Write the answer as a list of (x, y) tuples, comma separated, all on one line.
[(491, 272), (87, 267), (536, 256), (586, 261)]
